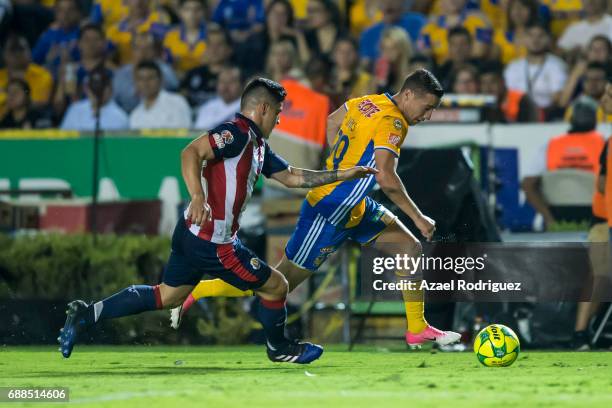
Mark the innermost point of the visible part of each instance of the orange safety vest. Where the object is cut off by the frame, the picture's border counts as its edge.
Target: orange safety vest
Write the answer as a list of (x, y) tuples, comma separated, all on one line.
[(608, 186), (512, 104), (575, 151)]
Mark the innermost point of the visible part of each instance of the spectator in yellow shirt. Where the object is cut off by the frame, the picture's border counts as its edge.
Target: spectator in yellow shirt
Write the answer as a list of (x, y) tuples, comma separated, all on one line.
[(363, 14), (140, 19), (18, 64), (108, 12), (433, 39), (186, 43), (509, 42)]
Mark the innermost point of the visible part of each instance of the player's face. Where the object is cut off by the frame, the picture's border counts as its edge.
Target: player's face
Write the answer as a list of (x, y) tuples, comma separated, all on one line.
[(270, 117), (418, 108)]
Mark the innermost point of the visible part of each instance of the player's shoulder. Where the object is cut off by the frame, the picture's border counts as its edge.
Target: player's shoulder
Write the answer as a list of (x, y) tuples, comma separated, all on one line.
[(371, 106), (230, 136)]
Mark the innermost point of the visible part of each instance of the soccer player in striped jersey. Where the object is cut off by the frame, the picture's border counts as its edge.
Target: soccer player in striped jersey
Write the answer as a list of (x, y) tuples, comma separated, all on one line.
[(365, 131), (205, 241)]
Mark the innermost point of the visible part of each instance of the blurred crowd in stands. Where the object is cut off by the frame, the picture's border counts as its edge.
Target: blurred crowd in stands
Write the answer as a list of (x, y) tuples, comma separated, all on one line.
[(182, 63)]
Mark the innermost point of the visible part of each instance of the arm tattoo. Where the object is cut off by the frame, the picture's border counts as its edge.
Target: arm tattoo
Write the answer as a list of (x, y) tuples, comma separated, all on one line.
[(312, 178)]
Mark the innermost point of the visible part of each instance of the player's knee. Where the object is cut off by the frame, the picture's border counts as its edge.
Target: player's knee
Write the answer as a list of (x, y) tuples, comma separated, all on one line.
[(280, 286), (172, 298)]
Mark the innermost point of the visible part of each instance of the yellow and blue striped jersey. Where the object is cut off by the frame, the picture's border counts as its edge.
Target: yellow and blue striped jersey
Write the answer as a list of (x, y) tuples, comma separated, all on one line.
[(371, 122), (185, 56)]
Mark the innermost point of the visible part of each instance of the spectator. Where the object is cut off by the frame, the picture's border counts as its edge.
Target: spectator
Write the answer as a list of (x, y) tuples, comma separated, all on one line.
[(459, 53), (92, 48), (598, 51), (283, 62), (433, 37), (20, 113), (510, 42), (540, 74), (280, 25), (145, 48), (594, 86), (578, 149), (240, 18), (140, 19), (363, 14), (108, 12), (224, 106), (391, 68), (187, 42), (324, 27), (349, 80), (18, 64), (81, 114), (59, 42), (318, 74), (465, 80), (512, 106), (200, 84), (394, 15), (560, 14), (158, 108), (596, 22)]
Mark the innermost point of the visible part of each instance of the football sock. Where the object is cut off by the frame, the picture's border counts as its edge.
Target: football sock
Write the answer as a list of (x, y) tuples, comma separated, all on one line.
[(217, 288), (131, 300), (272, 314), (414, 306)]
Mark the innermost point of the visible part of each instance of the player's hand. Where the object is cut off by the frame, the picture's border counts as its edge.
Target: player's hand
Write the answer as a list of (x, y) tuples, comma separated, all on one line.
[(199, 211), (356, 172), (427, 226)]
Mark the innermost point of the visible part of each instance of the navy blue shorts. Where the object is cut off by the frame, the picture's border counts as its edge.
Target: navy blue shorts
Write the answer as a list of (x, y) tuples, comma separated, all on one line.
[(192, 257)]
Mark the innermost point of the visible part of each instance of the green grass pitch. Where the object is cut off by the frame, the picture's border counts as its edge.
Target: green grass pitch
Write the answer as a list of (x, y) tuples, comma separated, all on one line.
[(370, 377)]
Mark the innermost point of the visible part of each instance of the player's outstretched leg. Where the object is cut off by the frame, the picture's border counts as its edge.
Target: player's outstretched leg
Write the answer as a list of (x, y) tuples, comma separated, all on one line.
[(419, 330), (272, 314), (131, 300)]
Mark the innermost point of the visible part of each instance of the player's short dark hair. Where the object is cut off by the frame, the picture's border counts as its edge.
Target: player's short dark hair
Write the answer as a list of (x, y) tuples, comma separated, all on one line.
[(91, 27), (152, 65), (259, 88), (457, 31), (423, 82)]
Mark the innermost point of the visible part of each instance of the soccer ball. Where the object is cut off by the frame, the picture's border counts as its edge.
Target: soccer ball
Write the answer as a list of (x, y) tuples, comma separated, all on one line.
[(497, 346)]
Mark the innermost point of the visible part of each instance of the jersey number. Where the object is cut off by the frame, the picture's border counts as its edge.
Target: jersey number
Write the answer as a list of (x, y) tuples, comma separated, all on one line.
[(340, 149)]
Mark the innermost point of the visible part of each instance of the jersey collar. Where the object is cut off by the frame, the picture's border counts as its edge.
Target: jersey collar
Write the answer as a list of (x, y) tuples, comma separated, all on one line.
[(251, 124)]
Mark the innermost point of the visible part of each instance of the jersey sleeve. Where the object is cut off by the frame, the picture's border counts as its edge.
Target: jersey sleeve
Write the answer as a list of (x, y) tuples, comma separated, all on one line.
[(390, 134), (273, 163), (226, 141)]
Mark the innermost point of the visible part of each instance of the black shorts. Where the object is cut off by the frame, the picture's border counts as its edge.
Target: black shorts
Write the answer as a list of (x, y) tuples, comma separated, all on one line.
[(192, 257)]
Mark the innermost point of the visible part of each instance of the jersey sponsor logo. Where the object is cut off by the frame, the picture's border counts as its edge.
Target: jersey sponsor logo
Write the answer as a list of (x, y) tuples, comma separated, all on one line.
[(394, 139), (227, 136), (351, 124), (327, 250), (218, 140), (397, 124), (255, 263), (368, 108)]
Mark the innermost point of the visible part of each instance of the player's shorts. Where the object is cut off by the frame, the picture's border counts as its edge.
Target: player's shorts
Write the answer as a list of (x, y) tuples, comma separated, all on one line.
[(192, 257), (315, 238)]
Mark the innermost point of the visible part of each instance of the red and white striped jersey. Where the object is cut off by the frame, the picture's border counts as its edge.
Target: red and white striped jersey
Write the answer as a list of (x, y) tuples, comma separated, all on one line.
[(241, 155)]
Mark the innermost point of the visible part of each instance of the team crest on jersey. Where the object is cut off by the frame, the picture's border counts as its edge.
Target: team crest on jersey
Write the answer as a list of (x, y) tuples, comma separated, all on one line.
[(227, 137), (394, 139), (368, 108), (351, 124), (218, 140), (397, 124), (255, 263)]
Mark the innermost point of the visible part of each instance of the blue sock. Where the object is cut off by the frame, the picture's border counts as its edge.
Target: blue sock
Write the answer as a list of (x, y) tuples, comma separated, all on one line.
[(131, 300), (272, 315)]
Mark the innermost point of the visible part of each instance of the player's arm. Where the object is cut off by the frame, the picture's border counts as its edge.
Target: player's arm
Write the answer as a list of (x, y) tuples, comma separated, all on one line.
[(294, 177), (192, 157), (334, 121), (391, 184)]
